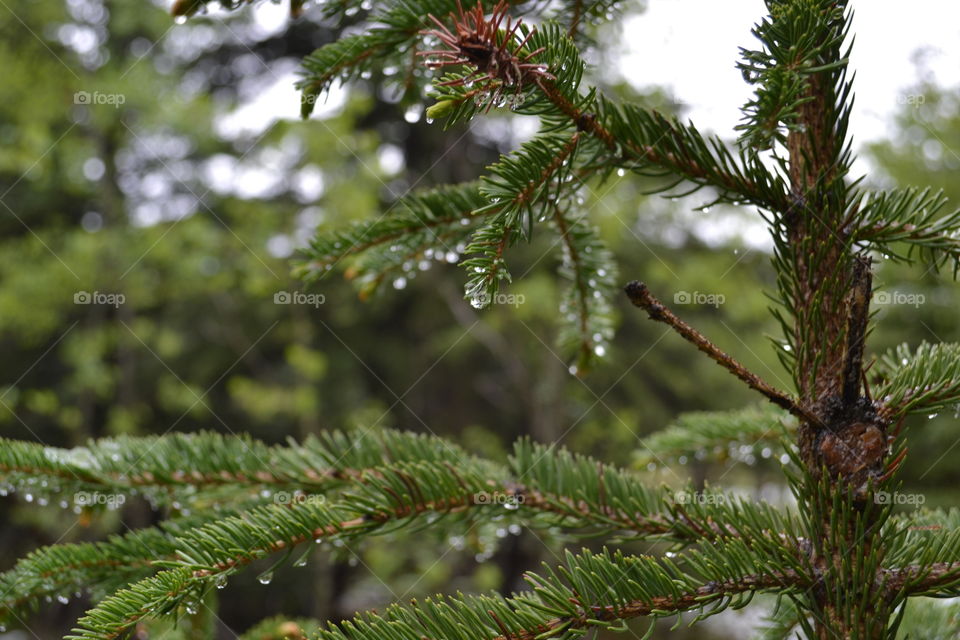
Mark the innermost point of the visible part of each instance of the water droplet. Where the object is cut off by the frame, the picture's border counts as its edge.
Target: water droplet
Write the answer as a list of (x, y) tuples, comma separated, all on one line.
[(452, 257), (221, 581), (784, 459), (265, 577), (180, 19), (573, 369), (191, 608), (621, 172), (62, 599), (600, 350), (302, 560), (400, 283), (932, 416)]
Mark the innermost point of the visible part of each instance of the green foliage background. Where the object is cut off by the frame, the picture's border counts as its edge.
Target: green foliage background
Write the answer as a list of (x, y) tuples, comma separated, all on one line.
[(124, 200)]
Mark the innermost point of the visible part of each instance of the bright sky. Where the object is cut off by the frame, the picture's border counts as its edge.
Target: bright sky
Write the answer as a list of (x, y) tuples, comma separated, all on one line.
[(692, 46)]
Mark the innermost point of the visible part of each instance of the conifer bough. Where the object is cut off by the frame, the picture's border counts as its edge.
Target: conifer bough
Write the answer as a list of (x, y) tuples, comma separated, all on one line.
[(840, 564)]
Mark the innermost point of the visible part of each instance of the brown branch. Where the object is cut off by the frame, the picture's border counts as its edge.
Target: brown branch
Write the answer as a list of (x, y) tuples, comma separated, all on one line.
[(577, 17), (679, 602), (858, 314), (641, 297), (919, 579)]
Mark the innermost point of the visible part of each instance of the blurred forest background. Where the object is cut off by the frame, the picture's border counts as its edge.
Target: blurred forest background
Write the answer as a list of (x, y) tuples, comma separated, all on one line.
[(189, 199)]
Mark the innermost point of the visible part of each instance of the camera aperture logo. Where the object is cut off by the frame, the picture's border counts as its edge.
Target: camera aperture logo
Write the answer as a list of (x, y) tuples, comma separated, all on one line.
[(699, 298), (97, 98), (99, 297), (299, 297)]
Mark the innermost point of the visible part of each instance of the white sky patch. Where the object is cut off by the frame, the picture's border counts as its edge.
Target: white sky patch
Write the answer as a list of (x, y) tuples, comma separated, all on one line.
[(280, 100), (692, 46)]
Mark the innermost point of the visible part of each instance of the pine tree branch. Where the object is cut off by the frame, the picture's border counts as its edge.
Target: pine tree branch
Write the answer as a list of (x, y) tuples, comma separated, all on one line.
[(191, 464), (417, 220), (590, 590), (940, 579), (641, 297), (57, 571), (888, 220), (606, 499), (585, 310), (925, 380), (567, 490), (706, 434)]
